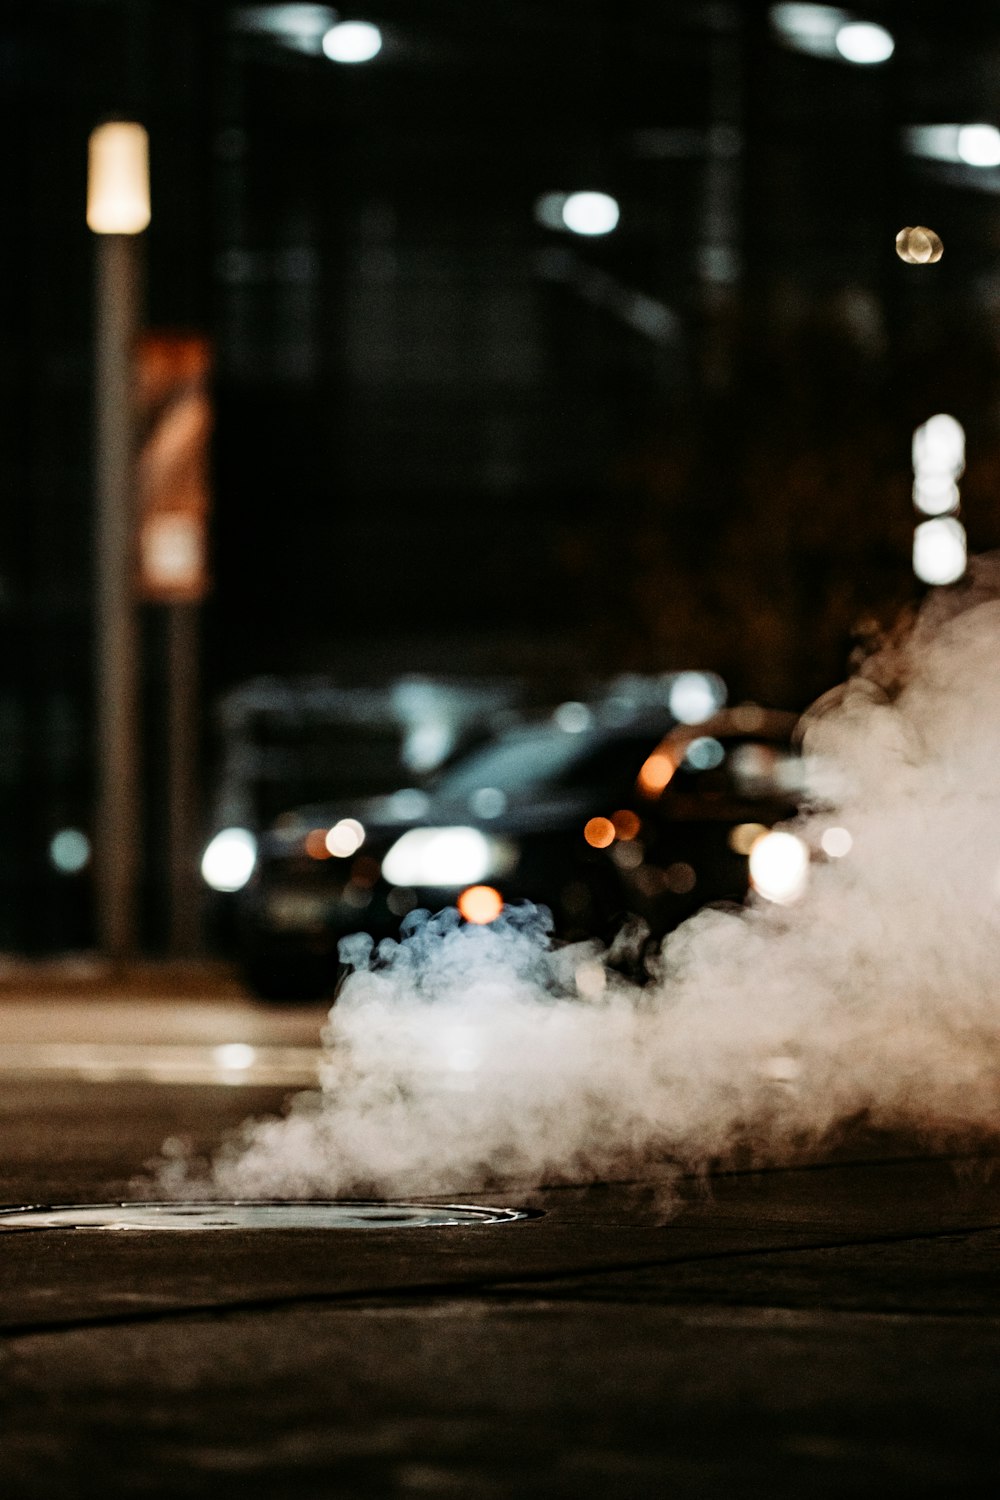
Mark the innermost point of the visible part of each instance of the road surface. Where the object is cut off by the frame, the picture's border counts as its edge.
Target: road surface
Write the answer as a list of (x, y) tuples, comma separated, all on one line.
[(830, 1330)]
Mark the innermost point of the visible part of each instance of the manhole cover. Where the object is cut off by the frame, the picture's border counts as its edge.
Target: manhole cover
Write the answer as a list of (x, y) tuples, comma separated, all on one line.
[(254, 1215)]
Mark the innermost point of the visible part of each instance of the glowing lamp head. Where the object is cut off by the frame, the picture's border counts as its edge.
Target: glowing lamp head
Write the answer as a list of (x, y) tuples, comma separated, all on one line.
[(118, 178)]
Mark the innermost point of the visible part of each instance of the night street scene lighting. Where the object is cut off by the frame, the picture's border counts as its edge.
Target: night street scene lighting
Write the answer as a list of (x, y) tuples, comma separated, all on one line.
[(500, 749)]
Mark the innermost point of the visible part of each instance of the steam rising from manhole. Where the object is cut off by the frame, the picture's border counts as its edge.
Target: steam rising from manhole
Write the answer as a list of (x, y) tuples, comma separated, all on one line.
[(260, 1214)]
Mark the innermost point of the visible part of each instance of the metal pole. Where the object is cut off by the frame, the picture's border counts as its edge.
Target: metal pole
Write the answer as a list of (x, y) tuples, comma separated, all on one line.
[(117, 816), (182, 775)]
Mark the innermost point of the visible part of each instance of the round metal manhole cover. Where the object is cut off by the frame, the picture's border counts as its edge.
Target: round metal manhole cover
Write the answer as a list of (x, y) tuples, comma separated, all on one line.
[(255, 1215)]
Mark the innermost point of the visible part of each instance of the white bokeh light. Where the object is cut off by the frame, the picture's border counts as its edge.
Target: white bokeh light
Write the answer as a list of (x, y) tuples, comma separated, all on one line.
[(352, 42), (695, 696), (779, 867), (864, 42), (935, 494), (439, 857), (979, 145), (939, 446), (939, 550), (836, 842), (345, 838), (228, 862), (590, 213)]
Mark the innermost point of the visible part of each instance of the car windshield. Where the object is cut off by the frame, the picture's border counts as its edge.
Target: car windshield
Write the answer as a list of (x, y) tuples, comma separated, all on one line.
[(538, 755)]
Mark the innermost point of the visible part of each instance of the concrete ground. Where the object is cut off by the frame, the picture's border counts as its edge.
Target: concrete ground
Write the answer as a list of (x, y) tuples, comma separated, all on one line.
[(833, 1330)]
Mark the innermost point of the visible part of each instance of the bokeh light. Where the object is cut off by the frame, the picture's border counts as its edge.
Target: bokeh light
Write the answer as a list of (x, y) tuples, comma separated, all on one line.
[(480, 904), (228, 862), (656, 772), (352, 42), (573, 718), (590, 213), (779, 867), (939, 551), (627, 824), (836, 842), (695, 696), (315, 844), (864, 42), (918, 245), (599, 833), (345, 838), (743, 837), (488, 802), (69, 851), (704, 754), (979, 145), (935, 494), (939, 446), (440, 857)]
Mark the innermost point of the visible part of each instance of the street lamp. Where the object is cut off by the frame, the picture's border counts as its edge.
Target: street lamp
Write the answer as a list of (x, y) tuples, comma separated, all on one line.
[(117, 212), (118, 178)]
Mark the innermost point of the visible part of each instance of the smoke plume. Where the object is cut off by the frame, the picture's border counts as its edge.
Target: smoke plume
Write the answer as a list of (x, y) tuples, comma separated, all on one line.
[(463, 1056)]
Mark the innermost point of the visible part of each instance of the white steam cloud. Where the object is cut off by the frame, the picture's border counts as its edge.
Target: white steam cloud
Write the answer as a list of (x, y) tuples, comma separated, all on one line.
[(464, 1057)]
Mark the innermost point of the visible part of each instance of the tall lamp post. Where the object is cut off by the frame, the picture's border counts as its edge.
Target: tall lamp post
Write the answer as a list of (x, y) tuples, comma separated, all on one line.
[(117, 212)]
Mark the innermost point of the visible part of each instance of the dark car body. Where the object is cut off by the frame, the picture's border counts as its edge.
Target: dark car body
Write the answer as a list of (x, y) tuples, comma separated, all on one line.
[(564, 818), (528, 792)]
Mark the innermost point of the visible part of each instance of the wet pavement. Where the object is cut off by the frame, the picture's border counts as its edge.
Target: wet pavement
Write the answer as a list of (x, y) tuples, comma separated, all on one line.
[(833, 1329)]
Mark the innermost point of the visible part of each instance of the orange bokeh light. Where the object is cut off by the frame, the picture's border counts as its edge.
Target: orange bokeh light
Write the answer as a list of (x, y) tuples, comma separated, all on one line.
[(627, 823), (656, 773), (480, 904), (599, 833), (316, 844)]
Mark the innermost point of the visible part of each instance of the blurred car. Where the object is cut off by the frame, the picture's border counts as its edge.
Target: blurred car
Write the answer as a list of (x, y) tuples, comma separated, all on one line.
[(593, 819), (502, 822)]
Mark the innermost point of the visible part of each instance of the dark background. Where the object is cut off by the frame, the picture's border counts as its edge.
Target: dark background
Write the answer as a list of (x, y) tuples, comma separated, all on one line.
[(450, 440)]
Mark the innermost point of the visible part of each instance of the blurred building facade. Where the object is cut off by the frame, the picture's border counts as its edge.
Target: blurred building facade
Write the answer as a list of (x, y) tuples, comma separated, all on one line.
[(451, 438)]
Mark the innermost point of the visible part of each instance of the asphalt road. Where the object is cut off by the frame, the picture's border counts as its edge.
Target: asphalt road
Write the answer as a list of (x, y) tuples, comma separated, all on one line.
[(831, 1329)]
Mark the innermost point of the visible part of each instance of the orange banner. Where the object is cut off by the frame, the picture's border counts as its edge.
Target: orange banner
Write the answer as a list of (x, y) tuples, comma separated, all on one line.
[(172, 469)]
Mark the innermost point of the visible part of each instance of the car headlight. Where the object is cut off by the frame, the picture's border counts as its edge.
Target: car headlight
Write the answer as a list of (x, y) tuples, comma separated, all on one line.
[(446, 857)]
